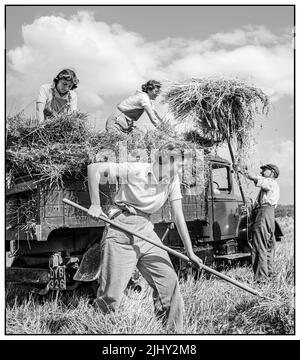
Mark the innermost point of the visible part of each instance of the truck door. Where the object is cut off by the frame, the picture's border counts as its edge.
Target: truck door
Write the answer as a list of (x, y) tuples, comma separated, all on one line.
[(223, 203)]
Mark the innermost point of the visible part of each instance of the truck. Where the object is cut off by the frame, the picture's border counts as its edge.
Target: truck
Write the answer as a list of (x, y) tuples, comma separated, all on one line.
[(45, 247)]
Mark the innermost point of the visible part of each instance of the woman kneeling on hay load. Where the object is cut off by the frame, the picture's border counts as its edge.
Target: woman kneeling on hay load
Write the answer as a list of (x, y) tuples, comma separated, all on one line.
[(59, 97), (131, 109)]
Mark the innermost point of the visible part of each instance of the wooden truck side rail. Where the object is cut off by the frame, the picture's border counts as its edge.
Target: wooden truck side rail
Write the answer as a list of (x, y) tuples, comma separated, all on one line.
[(53, 214)]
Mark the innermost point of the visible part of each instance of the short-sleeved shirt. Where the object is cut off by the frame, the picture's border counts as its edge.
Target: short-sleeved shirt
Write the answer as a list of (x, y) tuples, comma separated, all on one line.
[(140, 188), (269, 191), (134, 105), (53, 101)]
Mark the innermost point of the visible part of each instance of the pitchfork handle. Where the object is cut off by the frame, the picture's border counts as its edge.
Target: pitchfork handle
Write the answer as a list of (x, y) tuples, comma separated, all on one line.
[(169, 250)]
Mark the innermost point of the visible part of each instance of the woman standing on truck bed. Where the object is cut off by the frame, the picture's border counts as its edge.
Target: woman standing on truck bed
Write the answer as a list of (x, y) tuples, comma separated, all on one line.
[(131, 109), (59, 97)]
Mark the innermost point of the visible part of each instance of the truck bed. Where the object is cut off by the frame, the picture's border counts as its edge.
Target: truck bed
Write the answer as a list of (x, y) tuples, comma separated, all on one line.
[(51, 213)]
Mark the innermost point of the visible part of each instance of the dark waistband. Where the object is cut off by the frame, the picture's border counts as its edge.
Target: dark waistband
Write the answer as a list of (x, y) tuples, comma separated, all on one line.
[(117, 209), (266, 205)]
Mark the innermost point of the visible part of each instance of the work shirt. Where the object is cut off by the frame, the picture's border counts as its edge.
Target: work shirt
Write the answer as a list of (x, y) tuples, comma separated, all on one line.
[(140, 188), (134, 106), (56, 103), (269, 191)]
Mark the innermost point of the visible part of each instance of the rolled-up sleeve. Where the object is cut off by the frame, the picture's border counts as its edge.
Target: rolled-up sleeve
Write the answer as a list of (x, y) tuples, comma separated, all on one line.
[(43, 94), (175, 192), (73, 104), (144, 101), (123, 171), (264, 183)]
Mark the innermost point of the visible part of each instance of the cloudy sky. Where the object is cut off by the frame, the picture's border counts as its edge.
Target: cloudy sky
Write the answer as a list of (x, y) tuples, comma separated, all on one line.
[(114, 49)]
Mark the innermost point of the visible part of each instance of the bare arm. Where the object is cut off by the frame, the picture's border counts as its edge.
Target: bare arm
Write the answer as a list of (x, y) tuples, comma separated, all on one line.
[(40, 112), (252, 177), (152, 115), (244, 171), (95, 172), (157, 115), (258, 180), (183, 230)]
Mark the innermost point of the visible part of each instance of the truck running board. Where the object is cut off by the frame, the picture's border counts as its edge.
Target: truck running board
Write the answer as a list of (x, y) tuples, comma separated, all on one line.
[(27, 276), (232, 256)]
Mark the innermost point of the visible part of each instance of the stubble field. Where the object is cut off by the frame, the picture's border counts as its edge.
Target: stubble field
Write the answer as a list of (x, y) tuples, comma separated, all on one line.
[(212, 306)]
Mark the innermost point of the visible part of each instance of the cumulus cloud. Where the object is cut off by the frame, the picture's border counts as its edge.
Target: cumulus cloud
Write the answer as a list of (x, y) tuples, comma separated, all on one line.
[(111, 61), (105, 57), (282, 154), (256, 35)]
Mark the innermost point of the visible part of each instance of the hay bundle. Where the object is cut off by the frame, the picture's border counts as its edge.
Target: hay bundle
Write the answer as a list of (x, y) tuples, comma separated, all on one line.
[(22, 213), (48, 151), (141, 146), (49, 163), (71, 129), (220, 109), (63, 147)]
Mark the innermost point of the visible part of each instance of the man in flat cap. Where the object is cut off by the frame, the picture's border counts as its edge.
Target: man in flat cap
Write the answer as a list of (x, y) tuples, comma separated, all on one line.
[(263, 238)]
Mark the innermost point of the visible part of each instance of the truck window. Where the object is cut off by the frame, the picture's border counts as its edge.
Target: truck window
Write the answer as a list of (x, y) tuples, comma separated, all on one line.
[(220, 179)]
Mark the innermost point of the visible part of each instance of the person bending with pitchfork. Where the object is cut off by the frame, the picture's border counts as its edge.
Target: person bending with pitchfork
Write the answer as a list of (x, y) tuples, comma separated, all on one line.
[(144, 188)]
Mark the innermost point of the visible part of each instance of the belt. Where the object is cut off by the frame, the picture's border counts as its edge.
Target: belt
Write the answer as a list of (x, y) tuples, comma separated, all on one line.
[(118, 209), (264, 205), (267, 205)]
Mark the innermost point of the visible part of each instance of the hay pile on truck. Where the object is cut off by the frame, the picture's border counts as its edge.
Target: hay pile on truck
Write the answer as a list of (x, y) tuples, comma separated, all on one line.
[(45, 238), (48, 162)]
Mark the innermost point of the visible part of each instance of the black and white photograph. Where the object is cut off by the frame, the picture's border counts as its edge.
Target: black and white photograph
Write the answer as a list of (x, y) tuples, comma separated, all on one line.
[(149, 171)]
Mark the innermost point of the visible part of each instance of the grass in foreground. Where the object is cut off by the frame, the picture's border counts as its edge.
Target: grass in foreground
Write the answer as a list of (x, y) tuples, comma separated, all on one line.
[(212, 306)]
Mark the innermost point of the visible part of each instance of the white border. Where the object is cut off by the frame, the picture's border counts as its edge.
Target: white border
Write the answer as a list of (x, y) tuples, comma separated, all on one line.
[(174, 338)]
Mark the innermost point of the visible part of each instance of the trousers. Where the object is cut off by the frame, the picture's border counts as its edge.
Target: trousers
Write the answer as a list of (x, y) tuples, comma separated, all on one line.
[(118, 122), (121, 253), (263, 242)]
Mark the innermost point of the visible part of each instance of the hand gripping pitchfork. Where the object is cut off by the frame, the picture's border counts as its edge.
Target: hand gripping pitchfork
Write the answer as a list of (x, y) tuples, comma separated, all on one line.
[(171, 251)]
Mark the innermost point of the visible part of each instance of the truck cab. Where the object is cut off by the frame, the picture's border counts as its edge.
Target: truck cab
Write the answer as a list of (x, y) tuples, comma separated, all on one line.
[(226, 212), (221, 233), (224, 202)]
